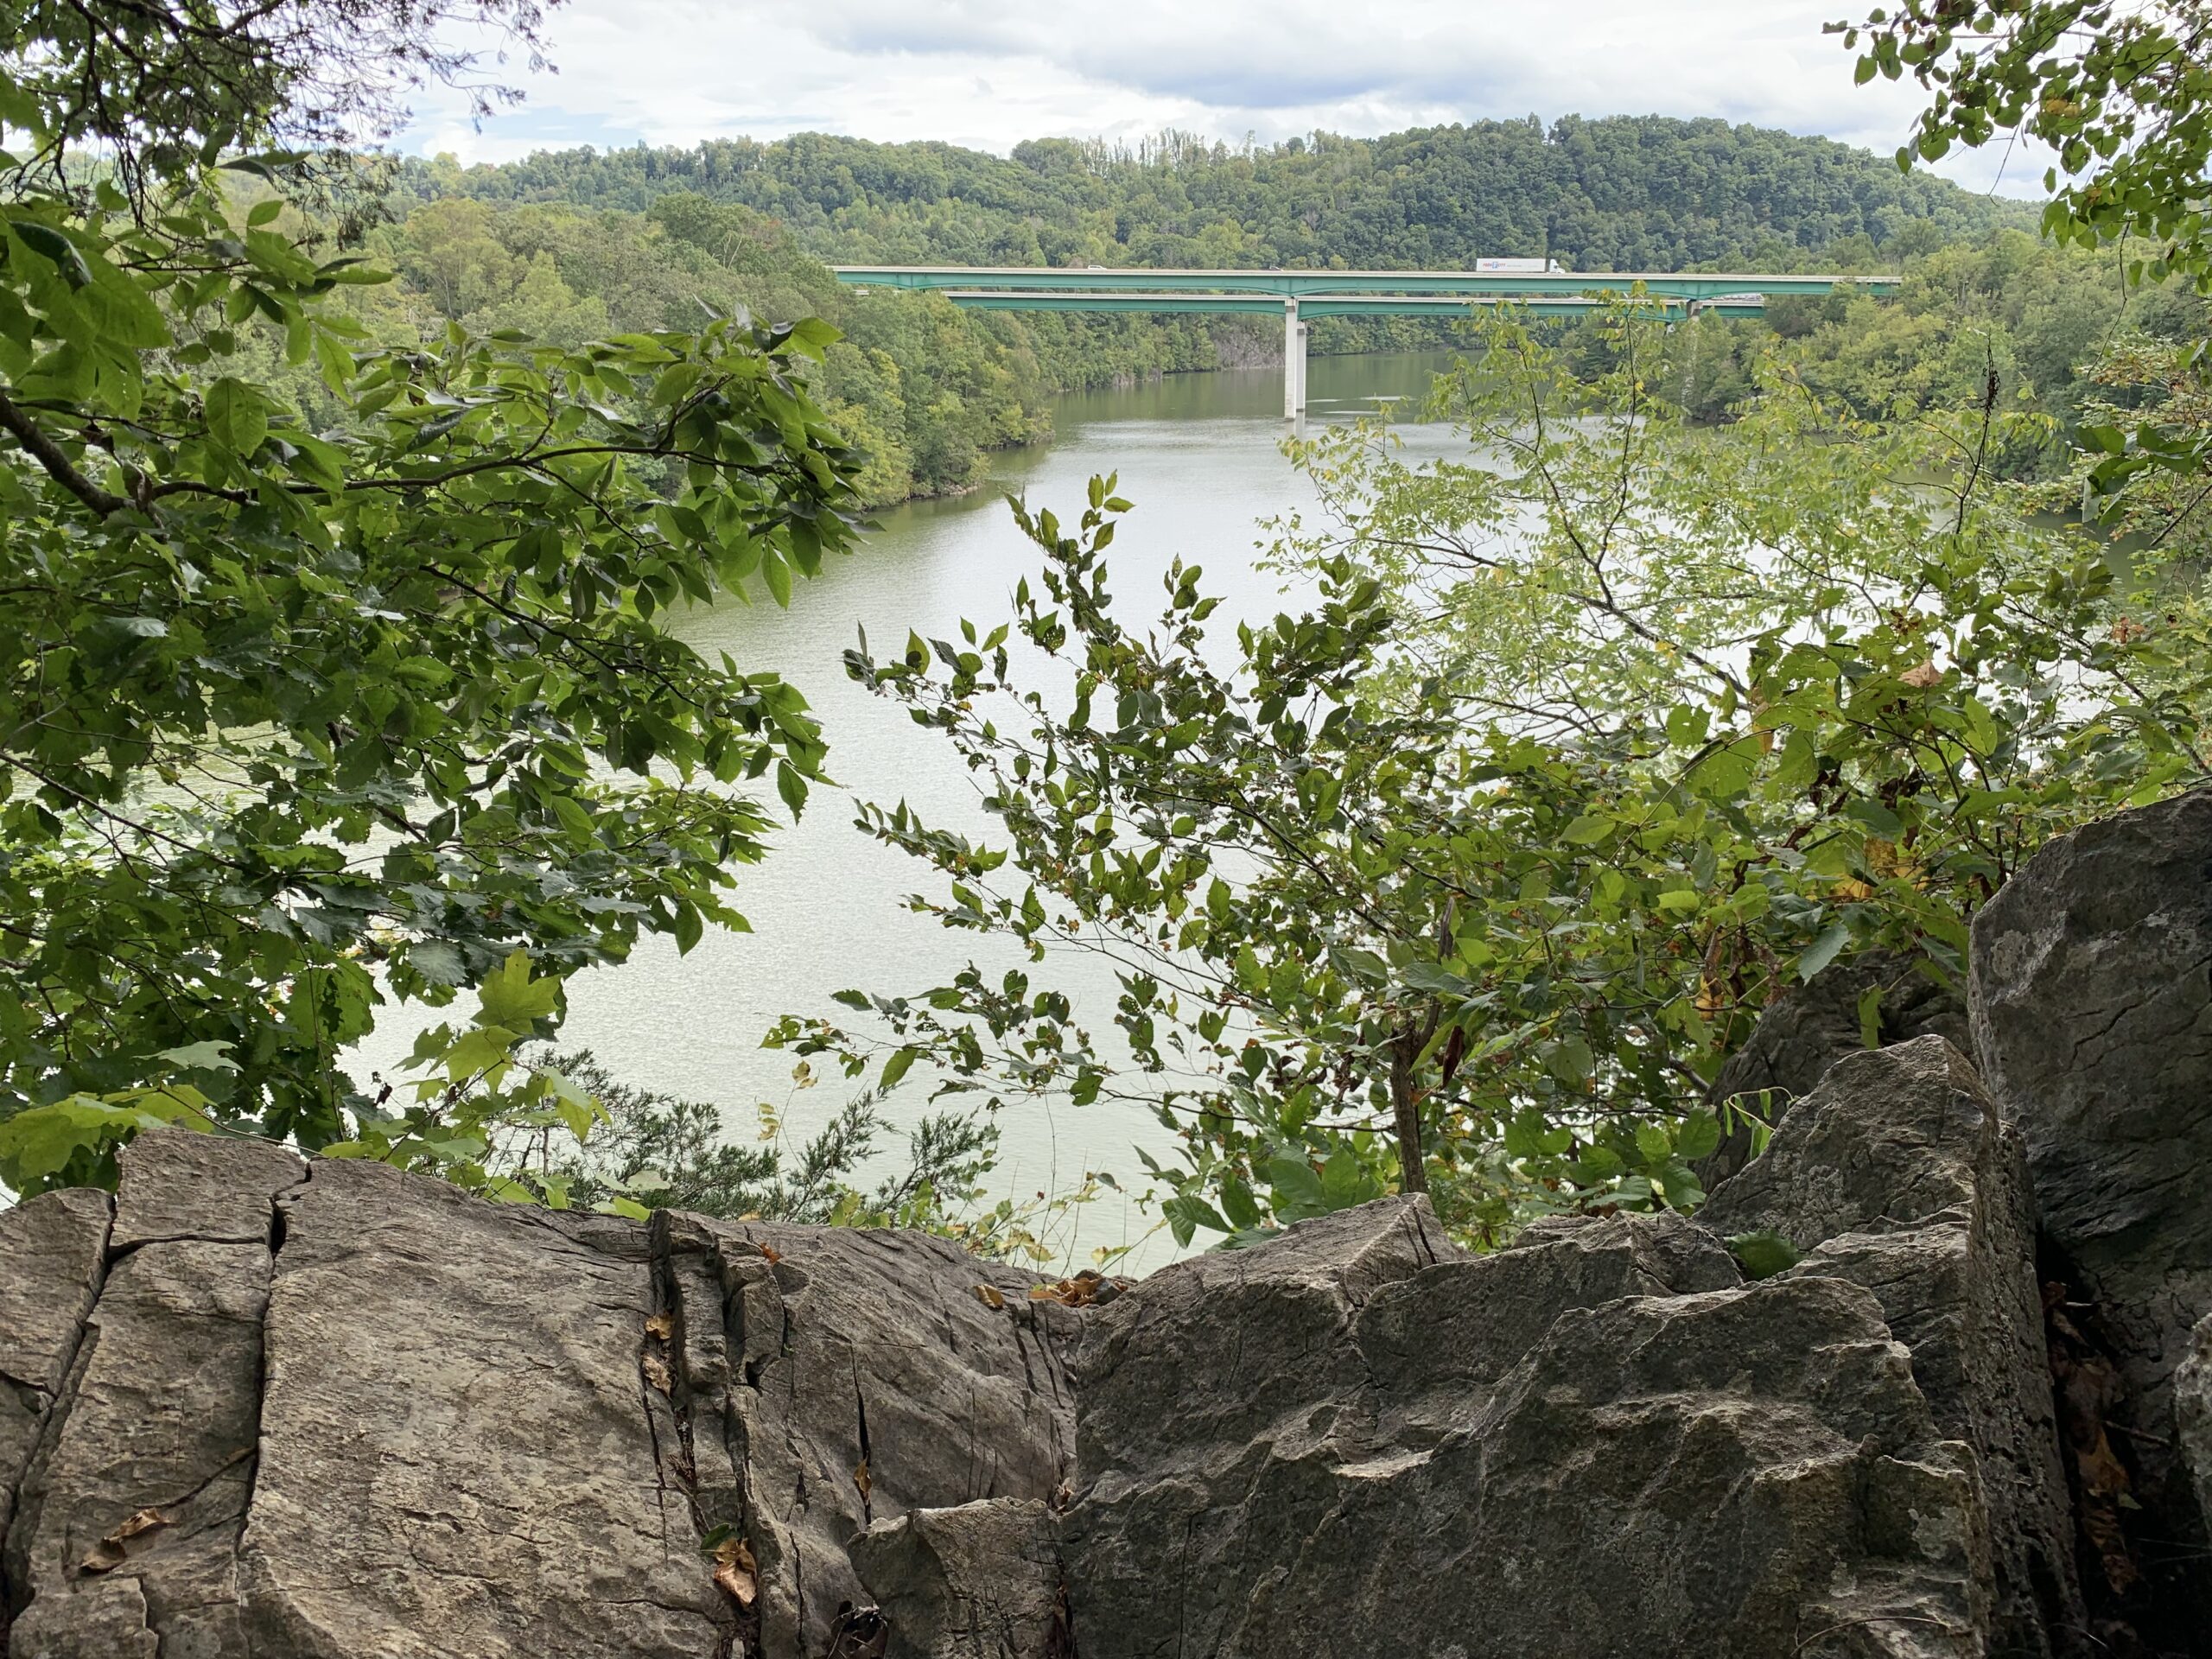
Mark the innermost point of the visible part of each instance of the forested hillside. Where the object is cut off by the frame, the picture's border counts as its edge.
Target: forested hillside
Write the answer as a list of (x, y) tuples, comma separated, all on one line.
[(1626, 192), (568, 245), (919, 387)]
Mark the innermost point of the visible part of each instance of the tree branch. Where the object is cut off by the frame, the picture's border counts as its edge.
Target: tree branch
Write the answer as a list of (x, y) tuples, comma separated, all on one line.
[(59, 466)]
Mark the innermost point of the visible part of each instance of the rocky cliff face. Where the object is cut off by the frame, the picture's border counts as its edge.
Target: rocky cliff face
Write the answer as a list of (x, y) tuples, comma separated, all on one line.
[(255, 1408), (2092, 1015)]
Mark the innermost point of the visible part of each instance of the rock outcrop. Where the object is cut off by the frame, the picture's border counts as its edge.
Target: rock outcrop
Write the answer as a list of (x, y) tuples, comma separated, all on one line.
[(319, 1412), (259, 1409), (2092, 1013), (1898, 1173), (1598, 1442), (53, 1258), (130, 1519), (1455, 1418), (276, 1410), (273, 1408)]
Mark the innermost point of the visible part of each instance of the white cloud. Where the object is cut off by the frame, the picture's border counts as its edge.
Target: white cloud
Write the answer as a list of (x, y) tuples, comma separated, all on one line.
[(987, 74)]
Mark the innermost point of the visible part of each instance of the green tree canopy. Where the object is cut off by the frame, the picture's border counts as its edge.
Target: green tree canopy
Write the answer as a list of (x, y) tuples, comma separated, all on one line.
[(1593, 740), (2122, 93), (297, 720)]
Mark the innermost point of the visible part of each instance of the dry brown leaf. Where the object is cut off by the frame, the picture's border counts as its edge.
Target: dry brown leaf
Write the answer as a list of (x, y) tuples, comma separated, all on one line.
[(862, 1479), (736, 1571), (1922, 678), (1079, 1292), (657, 1373), (772, 1253), (990, 1296), (109, 1554), (662, 1325)]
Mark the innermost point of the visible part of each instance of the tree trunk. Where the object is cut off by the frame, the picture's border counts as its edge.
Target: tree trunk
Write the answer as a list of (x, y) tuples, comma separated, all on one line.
[(1404, 1048)]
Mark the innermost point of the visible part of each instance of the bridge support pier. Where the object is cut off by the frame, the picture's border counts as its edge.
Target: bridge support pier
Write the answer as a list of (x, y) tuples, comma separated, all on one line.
[(1294, 363)]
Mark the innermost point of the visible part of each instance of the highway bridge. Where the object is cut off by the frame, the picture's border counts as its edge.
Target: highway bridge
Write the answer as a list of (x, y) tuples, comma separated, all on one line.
[(1302, 295)]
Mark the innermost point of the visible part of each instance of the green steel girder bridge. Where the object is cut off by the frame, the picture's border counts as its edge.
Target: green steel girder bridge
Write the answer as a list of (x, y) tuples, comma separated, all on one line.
[(1301, 294)]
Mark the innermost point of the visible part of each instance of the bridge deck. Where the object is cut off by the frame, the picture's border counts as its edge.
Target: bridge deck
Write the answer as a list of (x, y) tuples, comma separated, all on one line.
[(1300, 295), (1290, 284), (1323, 305)]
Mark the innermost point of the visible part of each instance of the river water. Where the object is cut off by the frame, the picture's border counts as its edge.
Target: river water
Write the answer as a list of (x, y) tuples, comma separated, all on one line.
[(1199, 456)]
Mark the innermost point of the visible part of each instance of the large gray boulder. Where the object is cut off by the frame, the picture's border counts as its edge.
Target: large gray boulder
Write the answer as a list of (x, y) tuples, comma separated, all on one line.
[(1898, 1173), (458, 1438), (1354, 1441), (283, 1411), (268, 1409), (2092, 1010), (1812, 1025)]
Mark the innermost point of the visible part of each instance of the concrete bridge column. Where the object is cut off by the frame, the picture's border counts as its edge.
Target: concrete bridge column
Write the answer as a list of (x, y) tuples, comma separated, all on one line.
[(1305, 357)]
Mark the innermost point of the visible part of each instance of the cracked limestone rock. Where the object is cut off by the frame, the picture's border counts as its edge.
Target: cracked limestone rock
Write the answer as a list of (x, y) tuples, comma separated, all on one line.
[(53, 1257), (1818, 1023)]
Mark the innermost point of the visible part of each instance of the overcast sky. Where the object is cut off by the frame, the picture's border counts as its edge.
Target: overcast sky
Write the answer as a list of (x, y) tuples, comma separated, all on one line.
[(990, 73)]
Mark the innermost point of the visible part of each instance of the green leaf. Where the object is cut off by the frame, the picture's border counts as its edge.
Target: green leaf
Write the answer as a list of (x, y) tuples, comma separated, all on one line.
[(514, 998), (1726, 772), (1764, 1254), (212, 1055), (778, 575), (1870, 1017), (1238, 1200), (791, 787), (1823, 950), (235, 417), (1294, 1189), (1698, 1137), (1878, 818), (1571, 1061), (1187, 1212), (44, 238), (896, 1067), (438, 962)]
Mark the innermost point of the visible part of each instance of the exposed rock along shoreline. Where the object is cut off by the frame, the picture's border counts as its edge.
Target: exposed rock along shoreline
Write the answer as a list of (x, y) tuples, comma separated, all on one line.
[(260, 1408)]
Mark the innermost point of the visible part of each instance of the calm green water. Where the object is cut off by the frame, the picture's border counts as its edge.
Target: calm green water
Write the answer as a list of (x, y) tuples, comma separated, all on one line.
[(1199, 456)]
